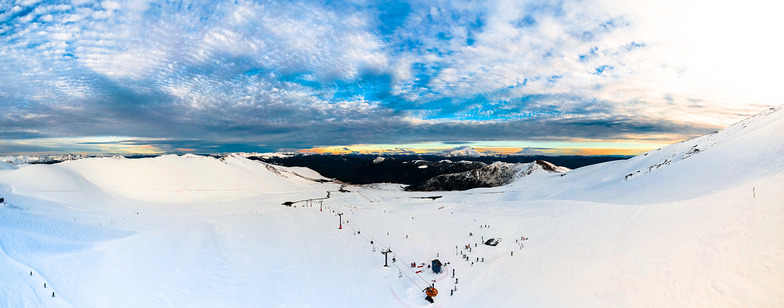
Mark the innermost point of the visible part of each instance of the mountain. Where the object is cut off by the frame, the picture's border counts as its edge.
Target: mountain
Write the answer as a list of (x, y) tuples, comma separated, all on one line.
[(495, 174), (463, 151), (353, 169), (187, 178), (412, 170), (747, 150), (7, 166), (706, 228), (39, 159)]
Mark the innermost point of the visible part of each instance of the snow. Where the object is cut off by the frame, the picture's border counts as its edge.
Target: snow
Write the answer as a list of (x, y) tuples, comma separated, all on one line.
[(704, 229), (7, 166), (463, 151), (495, 174)]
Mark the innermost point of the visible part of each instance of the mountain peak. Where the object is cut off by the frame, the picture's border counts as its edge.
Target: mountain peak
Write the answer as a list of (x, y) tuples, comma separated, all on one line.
[(463, 151)]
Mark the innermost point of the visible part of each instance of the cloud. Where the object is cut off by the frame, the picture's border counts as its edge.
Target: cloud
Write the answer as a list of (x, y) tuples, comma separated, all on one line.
[(221, 75)]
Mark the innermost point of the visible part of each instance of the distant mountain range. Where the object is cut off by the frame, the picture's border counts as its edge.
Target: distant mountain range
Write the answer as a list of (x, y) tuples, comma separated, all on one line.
[(495, 174), (458, 169), (420, 172)]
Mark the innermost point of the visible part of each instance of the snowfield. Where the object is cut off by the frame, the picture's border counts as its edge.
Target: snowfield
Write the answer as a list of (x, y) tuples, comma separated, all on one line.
[(698, 223)]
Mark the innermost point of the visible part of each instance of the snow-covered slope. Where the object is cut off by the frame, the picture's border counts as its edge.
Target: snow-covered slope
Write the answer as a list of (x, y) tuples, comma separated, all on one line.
[(7, 166), (745, 151), (705, 229), (168, 178)]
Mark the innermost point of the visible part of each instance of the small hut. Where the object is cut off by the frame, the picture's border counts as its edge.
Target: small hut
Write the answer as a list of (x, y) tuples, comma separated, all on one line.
[(436, 265), (492, 241)]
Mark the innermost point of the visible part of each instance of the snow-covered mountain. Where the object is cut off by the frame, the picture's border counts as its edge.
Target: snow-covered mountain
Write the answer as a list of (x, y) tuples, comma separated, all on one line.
[(7, 166), (700, 224), (495, 174), (39, 159), (167, 178), (463, 151), (745, 151)]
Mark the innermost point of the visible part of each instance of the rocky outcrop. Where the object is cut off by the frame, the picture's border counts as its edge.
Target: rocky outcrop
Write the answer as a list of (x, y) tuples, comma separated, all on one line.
[(495, 174)]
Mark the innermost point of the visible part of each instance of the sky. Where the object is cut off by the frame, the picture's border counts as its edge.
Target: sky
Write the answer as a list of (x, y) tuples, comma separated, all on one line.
[(555, 77)]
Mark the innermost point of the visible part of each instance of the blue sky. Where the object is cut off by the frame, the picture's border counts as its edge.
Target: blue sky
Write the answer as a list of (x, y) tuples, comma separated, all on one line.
[(224, 76)]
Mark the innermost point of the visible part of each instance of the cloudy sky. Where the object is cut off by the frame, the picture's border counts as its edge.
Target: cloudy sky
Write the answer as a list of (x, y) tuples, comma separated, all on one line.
[(204, 76)]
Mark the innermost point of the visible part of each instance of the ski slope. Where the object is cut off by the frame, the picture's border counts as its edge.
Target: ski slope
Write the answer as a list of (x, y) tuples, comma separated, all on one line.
[(674, 227)]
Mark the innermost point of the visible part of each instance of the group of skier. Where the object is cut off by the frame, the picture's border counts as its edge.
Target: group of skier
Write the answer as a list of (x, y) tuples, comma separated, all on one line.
[(31, 274)]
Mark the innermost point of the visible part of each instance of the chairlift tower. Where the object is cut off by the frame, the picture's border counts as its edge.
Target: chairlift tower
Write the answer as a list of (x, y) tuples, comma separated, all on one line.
[(385, 252), (340, 216)]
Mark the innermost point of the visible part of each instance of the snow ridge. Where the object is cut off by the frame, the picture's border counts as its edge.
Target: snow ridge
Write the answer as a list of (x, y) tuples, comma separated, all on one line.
[(680, 151)]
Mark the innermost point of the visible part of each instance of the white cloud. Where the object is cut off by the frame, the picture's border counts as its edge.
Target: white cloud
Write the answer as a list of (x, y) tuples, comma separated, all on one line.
[(702, 62), (654, 54), (111, 5)]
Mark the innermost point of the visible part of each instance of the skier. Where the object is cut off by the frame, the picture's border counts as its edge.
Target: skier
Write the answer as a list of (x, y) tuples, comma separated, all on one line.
[(52, 294), (44, 285)]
